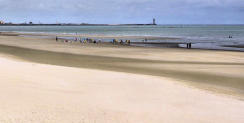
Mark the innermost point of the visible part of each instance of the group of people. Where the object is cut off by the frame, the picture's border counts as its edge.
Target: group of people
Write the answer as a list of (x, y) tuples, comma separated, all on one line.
[(86, 40), (115, 41), (188, 45), (90, 40)]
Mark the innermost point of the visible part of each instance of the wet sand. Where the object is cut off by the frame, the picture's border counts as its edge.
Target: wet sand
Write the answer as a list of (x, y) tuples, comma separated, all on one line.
[(236, 46), (107, 83)]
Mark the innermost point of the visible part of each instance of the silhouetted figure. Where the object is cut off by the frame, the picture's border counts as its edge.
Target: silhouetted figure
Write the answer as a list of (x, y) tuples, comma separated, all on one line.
[(121, 42), (188, 45), (115, 41), (129, 42), (56, 38)]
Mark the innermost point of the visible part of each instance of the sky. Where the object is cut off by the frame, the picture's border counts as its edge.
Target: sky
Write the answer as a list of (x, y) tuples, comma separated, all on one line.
[(123, 11)]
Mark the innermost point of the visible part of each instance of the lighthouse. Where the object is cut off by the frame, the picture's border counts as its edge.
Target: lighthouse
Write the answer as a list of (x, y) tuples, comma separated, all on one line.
[(154, 21)]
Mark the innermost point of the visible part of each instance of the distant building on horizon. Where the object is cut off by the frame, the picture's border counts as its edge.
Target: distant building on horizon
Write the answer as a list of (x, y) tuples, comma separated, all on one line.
[(154, 21)]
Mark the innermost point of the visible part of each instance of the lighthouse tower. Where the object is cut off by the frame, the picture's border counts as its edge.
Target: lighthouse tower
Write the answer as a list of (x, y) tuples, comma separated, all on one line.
[(154, 21)]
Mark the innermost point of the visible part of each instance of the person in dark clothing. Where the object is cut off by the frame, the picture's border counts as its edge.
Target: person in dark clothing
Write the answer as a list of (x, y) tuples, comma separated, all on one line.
[(145, 39), (188, 45), (121, 42)]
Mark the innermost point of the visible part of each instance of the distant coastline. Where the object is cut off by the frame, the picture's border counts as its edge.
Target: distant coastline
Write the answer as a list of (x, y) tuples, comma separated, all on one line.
[(2, 23), (76, 24)]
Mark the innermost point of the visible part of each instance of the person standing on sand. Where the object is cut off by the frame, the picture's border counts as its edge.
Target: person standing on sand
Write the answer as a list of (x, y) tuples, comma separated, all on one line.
[(113, 41), (188, 45), (121, 42), (56, 38), (99, 41), (81, 41)]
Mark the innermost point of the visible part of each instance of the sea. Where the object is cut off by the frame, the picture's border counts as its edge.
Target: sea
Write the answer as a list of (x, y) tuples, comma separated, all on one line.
[(216, 37)]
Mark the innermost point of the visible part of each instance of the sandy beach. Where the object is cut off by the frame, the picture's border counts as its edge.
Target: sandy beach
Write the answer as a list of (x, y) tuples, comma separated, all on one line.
[(47, 81)]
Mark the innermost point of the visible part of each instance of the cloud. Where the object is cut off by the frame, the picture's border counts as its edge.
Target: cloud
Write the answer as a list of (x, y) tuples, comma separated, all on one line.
[(123, 11)]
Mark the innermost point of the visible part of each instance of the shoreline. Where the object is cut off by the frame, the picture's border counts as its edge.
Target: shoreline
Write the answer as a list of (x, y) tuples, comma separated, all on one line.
[(139, 41)]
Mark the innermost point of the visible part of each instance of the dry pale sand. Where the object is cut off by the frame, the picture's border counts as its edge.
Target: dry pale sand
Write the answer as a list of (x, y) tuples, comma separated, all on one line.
[(46, 81), (32, 92)]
